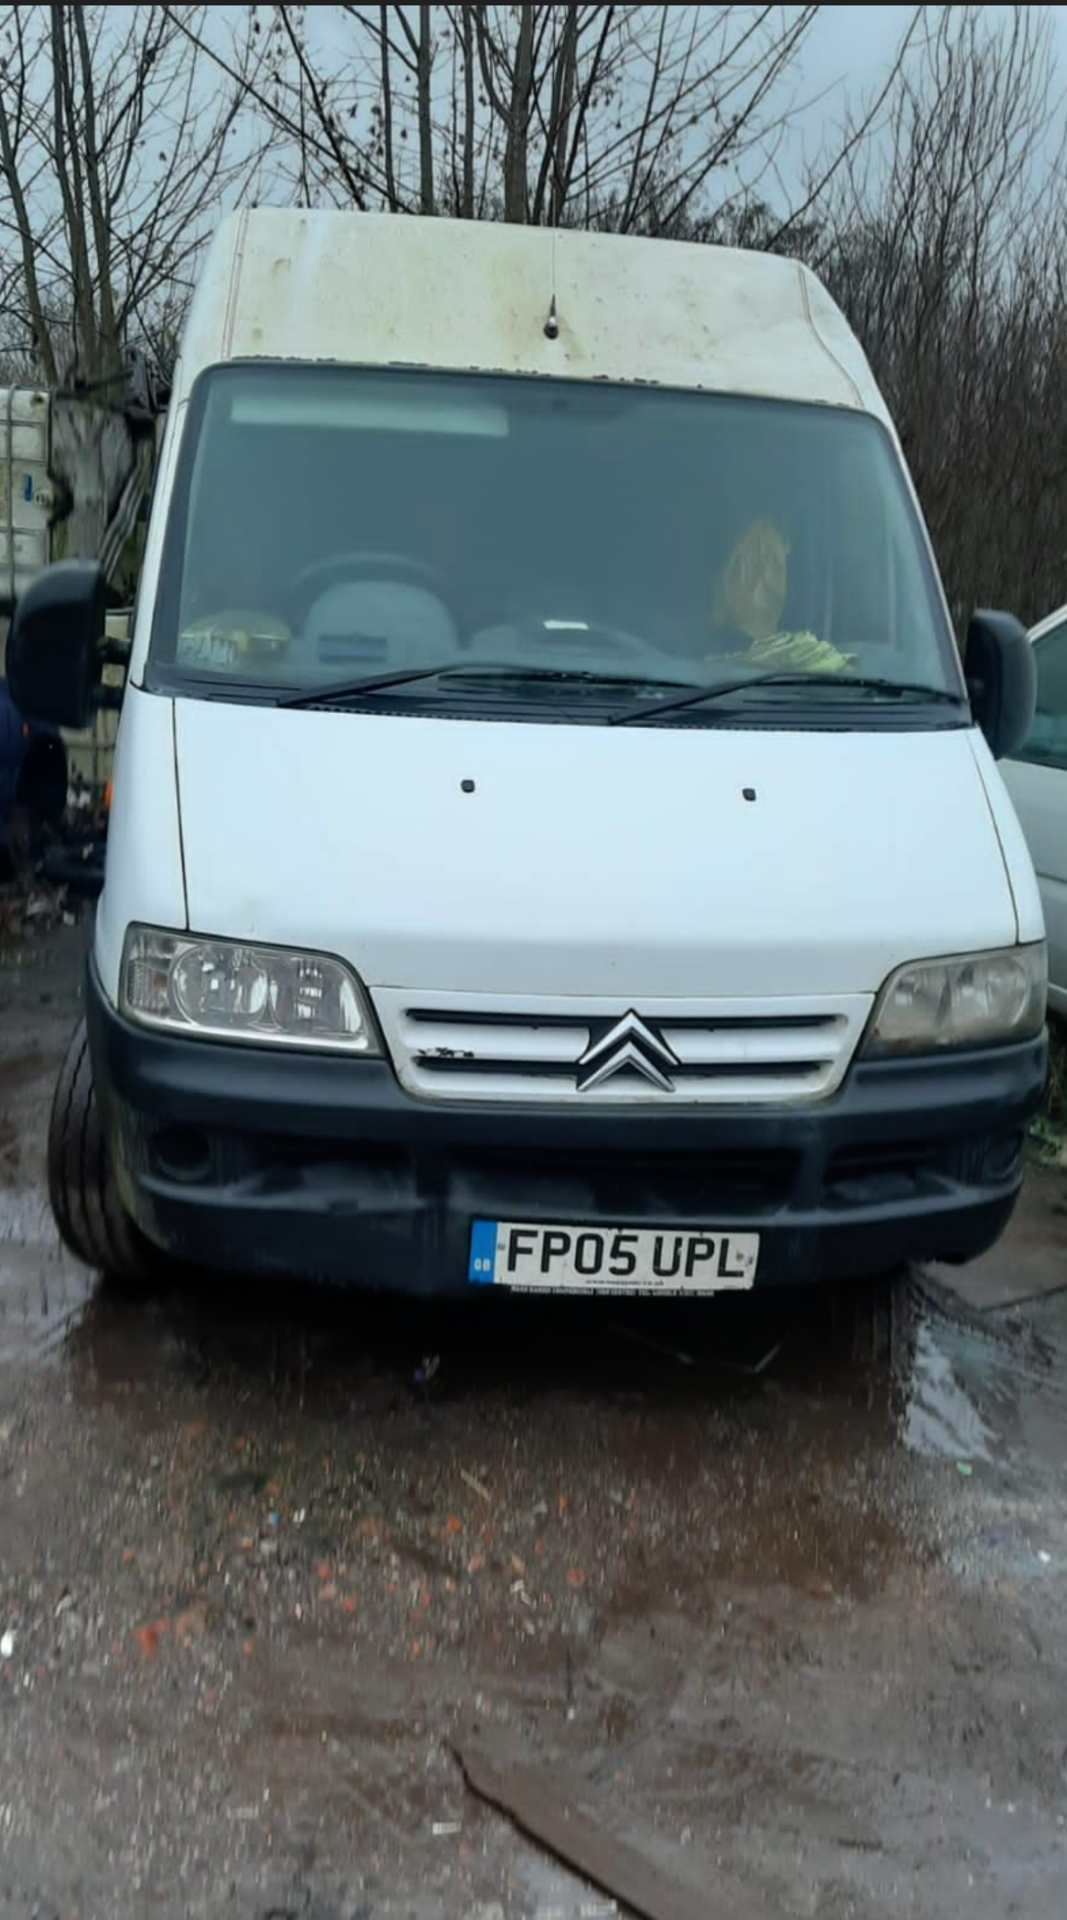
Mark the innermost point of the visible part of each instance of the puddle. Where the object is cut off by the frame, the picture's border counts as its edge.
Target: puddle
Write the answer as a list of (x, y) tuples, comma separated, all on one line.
[(550, 1892), (43, 1296), (940, 1420), (989, 1395)]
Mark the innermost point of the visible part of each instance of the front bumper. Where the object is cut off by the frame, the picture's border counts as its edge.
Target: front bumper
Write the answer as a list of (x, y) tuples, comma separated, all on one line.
[(271, 1162)]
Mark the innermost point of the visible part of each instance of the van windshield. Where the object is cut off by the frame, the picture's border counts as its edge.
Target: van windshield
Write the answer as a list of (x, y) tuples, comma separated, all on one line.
[(331, 527)]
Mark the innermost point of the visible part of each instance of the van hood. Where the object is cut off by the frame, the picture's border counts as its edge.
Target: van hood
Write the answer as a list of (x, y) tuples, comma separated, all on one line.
[(636, 861)]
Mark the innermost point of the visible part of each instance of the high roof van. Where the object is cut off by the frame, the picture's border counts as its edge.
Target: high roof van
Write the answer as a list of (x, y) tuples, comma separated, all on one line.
[(556, 843)]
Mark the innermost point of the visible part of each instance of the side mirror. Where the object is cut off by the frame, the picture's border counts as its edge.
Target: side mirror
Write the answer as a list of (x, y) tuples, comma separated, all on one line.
[(55, 648), (1001, 679)]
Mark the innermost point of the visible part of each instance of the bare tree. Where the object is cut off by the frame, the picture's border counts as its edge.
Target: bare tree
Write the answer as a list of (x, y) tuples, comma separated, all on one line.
[(602, 114), (944, 243), (936, 211), (113, 151)]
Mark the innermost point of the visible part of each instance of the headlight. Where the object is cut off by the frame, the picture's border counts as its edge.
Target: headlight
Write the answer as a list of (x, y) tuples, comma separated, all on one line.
[(975, 1000), (225, 989)]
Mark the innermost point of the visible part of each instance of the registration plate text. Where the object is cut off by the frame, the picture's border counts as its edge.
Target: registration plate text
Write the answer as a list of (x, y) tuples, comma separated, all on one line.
[(532, 1257)]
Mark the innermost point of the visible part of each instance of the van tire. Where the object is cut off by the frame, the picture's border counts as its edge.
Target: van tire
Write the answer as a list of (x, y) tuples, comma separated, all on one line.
[(880, 1312), (91, 1218)]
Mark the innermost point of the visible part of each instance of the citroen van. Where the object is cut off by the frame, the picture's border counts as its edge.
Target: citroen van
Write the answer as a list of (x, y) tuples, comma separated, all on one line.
[(556, 842)]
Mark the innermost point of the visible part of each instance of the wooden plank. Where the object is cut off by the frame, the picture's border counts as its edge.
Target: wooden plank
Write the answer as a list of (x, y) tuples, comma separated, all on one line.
[(558, 1813)]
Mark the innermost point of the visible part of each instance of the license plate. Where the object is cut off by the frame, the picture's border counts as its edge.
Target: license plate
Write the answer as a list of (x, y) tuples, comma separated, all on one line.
[(533, 1258)]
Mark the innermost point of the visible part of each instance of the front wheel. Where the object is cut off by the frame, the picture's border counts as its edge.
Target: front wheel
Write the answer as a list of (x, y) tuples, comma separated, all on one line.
[(91, 1218)]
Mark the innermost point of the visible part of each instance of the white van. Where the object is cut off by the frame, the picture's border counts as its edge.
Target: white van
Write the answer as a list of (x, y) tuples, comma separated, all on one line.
[(554, 845)]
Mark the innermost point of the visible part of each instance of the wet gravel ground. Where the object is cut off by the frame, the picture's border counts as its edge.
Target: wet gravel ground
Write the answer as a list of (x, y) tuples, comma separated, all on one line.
[(782, 1584)]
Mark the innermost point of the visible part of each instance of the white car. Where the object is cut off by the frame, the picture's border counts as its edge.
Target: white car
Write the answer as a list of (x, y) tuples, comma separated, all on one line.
[(1037, 780)]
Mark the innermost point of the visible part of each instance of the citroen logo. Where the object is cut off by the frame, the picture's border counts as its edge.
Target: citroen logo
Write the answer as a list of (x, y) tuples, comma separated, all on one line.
[(627, 1043)]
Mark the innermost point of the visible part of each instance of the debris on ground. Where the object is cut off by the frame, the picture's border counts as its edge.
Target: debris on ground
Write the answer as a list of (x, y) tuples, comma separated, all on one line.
[(37, 909), (623, 1332), (747, 1620), (561, 1815)]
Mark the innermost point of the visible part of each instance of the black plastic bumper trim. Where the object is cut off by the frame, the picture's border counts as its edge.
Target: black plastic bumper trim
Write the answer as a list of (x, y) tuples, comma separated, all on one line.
[(324, 1166)]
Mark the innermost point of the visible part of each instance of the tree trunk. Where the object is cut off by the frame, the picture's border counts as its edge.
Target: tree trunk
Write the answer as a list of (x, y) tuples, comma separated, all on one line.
[(468, 114), (424, 64), (42, 338), (68, 176), (109, 356), (515, 152), (387, 111)]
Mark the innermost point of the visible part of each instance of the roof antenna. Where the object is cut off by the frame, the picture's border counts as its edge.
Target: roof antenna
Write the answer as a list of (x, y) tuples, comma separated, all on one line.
[(552, 323)]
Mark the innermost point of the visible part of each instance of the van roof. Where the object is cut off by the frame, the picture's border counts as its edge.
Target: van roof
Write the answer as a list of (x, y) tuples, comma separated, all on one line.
[(393, 290)]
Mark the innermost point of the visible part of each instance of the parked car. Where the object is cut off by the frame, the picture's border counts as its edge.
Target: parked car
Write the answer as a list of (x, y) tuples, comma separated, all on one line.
[(1036, 777), (33, 785), (554, 843)]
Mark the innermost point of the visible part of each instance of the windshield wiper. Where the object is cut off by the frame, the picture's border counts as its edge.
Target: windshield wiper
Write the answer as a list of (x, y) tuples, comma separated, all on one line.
[(514, 670), (652, 709)]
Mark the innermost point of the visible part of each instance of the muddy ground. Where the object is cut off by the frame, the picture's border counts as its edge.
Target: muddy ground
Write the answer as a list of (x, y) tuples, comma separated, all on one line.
[(780, 1590)]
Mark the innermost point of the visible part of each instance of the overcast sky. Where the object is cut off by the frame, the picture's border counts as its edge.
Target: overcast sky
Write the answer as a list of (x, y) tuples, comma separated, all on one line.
[(854, 44), (845, 57), (848, 53)]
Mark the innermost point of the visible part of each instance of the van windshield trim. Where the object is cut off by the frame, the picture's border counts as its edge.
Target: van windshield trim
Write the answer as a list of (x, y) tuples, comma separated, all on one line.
[(575, 652)]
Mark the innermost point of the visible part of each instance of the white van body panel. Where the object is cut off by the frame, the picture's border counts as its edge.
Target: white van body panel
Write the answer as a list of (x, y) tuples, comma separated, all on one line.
[(294, 285), (644, 956), (144, 853), (452, 295), (1038, 793), (588, 861), (1028, 906)]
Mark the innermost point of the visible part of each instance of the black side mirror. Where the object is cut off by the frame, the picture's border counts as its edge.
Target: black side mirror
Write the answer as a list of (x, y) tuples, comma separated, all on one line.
[(56, 647), (1001, 679)]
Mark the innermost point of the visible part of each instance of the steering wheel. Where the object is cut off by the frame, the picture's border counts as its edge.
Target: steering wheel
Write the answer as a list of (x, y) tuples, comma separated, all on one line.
[(346, 567)]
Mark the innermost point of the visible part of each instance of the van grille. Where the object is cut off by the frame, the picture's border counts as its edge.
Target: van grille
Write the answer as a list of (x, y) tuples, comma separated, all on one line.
[(460, 1047)]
